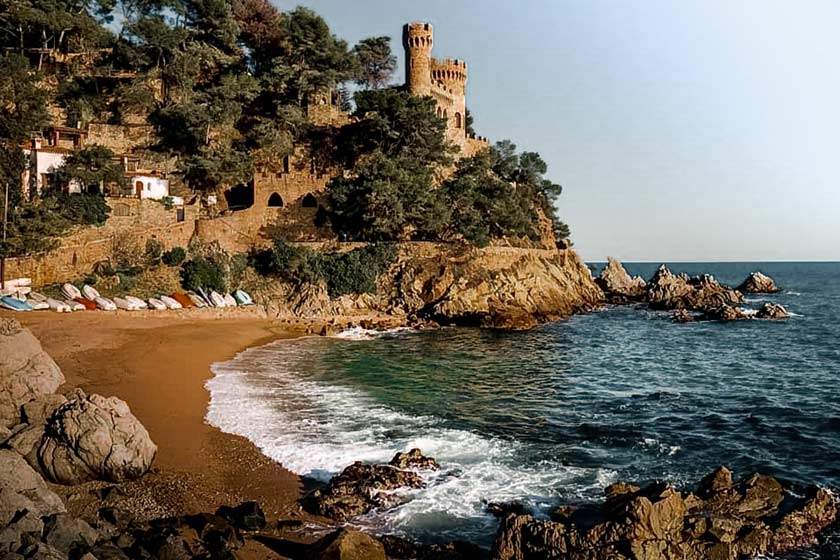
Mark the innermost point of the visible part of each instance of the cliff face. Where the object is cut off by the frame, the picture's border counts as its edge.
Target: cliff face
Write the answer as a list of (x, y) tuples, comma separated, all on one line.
[(499, 287), (495, 287)]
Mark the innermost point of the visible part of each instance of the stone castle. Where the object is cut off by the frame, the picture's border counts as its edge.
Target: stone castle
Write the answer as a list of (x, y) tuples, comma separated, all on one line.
[(445, 80)]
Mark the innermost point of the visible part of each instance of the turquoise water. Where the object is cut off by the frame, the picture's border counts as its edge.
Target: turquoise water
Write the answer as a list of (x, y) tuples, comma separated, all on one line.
[(555, 414)]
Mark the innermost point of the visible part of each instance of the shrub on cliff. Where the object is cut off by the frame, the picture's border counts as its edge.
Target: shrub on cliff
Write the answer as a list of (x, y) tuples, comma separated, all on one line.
[(174, 256), (350, 272), (202, 273)]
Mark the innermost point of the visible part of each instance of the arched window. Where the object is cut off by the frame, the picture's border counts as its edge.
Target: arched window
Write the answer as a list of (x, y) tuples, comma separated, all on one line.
[(274, 201), (309, 201), (458, 123)]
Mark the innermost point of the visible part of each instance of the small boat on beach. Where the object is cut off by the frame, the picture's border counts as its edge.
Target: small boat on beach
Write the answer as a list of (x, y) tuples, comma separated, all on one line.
[(89, 304), (37, 305), (58, 306), (182, 298), (75, 305), (230, 301), (14, 304), (105, 304), (155, 303), (70, 291), (137, 302), (197, 300), (170, 303), (36, 296), (124, 304), (217, 299), (90, 292), (243, 298)]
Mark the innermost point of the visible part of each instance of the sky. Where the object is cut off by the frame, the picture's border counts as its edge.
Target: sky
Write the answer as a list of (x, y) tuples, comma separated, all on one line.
[(690, 130)]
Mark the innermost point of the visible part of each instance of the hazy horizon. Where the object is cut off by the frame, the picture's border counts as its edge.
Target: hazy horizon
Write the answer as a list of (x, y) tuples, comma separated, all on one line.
[(693, 131)]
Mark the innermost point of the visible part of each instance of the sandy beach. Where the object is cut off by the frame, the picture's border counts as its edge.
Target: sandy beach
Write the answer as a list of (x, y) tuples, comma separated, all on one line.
[(158, 365)]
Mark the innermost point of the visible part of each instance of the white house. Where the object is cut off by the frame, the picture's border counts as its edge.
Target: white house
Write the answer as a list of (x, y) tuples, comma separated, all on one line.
[(43, 162), (150, 186)]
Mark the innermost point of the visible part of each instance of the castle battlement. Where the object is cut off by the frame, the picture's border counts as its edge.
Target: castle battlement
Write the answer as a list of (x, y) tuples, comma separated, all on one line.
[(443, 79)]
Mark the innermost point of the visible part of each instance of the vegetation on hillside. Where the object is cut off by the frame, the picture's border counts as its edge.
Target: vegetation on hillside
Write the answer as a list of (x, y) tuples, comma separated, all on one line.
[(225, 84)]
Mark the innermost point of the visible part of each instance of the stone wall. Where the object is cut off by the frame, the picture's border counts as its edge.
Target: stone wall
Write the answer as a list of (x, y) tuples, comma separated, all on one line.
[(78, 252), (121, 139)]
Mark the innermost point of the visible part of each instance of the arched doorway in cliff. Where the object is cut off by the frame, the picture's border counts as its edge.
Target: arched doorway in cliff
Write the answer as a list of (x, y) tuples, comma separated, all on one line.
[(275, 201), (240, 197), (458, 120), (309, 201)]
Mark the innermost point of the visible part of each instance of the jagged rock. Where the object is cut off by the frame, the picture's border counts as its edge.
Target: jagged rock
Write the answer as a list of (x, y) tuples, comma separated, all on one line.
[(618, 285), (495, 287), (247, 516), (772, 311), (24, 527), (43, 551), (94, 438), (758, 283), (360, 488), (23, 489), (683, 316), (414, 459), (68, 534), (26, 371), (723, 520), (347, 544), (665, 290), (503, 509), (724, 313)]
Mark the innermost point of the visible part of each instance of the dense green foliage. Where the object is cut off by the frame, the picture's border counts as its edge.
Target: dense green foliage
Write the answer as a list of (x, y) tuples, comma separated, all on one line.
[(204, 273), (350, 272), (93, 168), (376, 62), (174, 256)]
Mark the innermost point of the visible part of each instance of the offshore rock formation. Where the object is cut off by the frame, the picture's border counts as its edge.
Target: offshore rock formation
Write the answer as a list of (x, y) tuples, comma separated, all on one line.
[(361, 487), (758, 283), (26, 371), (669, 291), (722, 519), (618, 285)]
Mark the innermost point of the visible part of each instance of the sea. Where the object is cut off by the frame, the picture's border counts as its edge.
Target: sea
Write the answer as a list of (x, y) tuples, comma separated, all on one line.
[(553, 415)]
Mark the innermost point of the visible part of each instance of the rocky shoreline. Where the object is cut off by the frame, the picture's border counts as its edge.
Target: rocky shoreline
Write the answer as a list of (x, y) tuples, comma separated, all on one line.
[(697, 298)]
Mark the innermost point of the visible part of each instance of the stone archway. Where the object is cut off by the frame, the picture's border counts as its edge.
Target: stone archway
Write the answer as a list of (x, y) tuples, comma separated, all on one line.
[(309, 201), (275, 201)]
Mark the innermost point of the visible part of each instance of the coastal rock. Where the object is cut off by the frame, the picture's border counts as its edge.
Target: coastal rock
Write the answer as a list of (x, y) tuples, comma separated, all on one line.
[(772, 311), (725, 313), (498, 287), (347, 544), (722, 520), (414, 459), (665, 290), (683, 316), (361, 487), (247, 516), (94, 438), (618, 285), (398, 548), (758, 283), (67, 534), (23, 490), (26, 371)]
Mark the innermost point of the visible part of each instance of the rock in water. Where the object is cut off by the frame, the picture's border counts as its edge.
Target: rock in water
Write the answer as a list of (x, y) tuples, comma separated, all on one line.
[(23, 490), (26, 371), (414, 459), (772, 311), (360, 487), (723, 520), (666, 290), (618, 285), (758, 283), (94, 438)]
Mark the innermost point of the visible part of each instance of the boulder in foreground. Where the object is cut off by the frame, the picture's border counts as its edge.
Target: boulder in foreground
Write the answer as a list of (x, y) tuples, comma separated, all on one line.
[(722, 519), (92, 437), (26, 371)]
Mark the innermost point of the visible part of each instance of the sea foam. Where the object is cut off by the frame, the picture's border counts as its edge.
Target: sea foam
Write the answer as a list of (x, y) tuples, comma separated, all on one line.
[(316, 429)]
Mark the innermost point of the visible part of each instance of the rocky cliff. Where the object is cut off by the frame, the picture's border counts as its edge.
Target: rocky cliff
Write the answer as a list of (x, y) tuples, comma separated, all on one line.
[(498, 287)]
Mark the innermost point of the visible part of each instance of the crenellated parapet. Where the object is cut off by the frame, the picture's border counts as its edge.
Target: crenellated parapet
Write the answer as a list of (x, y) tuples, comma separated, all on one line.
[(450, 72)]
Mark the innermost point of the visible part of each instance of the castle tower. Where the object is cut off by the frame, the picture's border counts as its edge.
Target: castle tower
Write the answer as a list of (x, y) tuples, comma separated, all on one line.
[(418, 40)]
